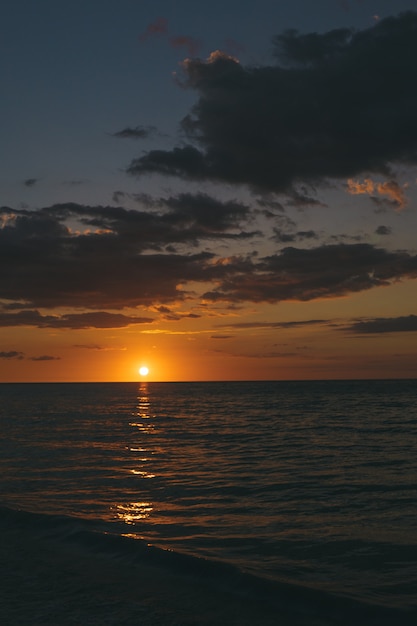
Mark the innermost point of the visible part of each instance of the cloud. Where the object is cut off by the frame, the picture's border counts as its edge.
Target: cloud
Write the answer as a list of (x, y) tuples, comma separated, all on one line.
[(283, 237), (13, 354), (337, 105), (383, 230), (139, 132), (30, 182), (117, 257), (378, 325), (209, 214), (327, 271), (95, 319), (99, 258), (94, 346), (95, 271), (158, 27), (269, 325), (394, 192), (45, 357), (193, 46)]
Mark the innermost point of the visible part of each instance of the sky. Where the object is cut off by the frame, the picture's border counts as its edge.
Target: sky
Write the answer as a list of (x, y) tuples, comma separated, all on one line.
[(216, 191)]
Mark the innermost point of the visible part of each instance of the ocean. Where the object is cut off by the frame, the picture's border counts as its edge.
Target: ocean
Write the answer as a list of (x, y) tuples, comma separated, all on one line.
[(298, 497)]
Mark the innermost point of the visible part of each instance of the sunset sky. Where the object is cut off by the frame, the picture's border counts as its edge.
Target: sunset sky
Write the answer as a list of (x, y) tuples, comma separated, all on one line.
[(217, 191)]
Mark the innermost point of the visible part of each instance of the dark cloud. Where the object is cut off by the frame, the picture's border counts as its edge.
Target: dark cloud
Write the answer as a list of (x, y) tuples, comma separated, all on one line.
[(139, 132), (209, 214), (221, 337), (342, 237), (45, 357), (13, 354), (337, 105), (95, 319), (383, 230), (268, 204), (283, 237), (269, 325), (323, 272), (300, 198), (185, 218), (110, 258), (378, 325), (170, 315), (30, 182)]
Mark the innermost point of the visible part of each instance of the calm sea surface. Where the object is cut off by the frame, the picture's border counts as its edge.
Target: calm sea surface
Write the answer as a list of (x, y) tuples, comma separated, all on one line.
[(311, 484)]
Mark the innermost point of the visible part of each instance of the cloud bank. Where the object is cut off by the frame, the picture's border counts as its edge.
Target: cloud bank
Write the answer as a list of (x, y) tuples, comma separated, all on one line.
[(336, 105), (111, 258)]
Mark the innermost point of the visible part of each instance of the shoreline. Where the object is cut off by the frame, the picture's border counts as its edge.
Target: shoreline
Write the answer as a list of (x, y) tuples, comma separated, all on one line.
[(51, 582)]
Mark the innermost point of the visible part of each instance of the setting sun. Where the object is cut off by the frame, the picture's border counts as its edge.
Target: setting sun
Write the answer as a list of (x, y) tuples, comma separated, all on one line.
[(143, 371)]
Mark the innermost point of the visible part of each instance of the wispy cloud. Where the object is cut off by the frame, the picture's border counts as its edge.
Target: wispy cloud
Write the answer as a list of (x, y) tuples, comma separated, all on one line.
[(94, 319), (390, 189), (269, 325), (138, 132), (159, 27), (30, 182), (12, 354), (156, 28), (379, 325), (190, 44)]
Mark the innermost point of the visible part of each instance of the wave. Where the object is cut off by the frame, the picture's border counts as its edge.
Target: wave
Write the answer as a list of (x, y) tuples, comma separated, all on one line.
[(95, 538)]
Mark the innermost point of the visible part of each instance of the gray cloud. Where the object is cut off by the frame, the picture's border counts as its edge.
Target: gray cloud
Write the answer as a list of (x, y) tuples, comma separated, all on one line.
[(338, 104), (138, 132), (285, 237), (95, 319), (268, 325), (378, 325), (111, 258), (117, 259), (30, 182), (383, 230), (323, 272), (12, 354)]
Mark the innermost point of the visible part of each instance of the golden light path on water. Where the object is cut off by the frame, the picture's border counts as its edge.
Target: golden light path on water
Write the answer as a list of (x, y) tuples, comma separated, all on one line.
[(132, 512)]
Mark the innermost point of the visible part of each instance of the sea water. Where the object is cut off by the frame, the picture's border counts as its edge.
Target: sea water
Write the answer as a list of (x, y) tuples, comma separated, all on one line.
[(308, 487)]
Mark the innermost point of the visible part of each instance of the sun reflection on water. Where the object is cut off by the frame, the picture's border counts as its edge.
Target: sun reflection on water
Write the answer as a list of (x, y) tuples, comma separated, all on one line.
[(140, 454), (132, 512), (143, 412)]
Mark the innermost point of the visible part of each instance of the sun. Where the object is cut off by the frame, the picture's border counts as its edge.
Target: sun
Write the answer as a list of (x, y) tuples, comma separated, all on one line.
[(143, 371)]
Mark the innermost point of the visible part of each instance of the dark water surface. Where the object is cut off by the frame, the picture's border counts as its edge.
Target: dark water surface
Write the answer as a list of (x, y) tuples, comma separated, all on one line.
[(306, 484)]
